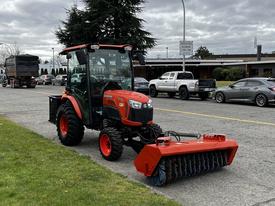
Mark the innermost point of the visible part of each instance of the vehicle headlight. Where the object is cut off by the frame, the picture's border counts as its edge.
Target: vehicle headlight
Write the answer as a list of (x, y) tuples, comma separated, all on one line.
[(135, 104), (149, 104)]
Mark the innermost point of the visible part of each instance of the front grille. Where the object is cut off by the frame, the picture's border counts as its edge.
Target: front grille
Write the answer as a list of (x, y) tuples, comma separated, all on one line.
[(143, 115)]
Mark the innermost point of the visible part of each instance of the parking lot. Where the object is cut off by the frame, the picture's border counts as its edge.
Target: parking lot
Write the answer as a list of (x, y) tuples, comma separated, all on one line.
[(250, 180)]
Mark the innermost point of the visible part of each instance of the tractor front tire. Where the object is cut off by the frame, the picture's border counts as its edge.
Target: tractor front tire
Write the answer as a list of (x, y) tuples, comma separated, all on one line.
[(70, 129), (110, 143)]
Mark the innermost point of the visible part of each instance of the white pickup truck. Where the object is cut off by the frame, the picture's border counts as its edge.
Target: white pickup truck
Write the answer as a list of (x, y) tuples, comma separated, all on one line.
[(182, 83)]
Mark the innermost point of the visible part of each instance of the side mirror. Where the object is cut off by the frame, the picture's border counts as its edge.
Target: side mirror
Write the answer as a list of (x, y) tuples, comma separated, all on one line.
[(81, 57)]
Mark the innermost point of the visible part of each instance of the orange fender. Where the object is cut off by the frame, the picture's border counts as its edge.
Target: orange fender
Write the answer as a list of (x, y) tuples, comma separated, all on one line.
[(74, 103)]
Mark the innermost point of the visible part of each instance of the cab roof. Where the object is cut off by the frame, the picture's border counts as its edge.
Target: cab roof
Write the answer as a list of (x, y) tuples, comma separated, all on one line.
[(101, 46)]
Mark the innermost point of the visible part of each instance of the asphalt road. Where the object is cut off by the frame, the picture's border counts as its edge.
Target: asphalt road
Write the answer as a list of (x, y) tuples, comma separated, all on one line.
[(250, 180)]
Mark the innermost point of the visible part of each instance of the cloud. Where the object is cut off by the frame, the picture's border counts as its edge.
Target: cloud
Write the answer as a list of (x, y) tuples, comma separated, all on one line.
[(31, 24), (223, 26)]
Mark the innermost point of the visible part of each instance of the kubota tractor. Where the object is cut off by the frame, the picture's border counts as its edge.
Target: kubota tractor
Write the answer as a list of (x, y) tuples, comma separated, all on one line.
[(98, 96)]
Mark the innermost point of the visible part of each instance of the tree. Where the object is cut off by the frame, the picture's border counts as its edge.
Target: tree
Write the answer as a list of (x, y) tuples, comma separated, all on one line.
[(107, 22), (60, 71), (7, 50), (203, 53)]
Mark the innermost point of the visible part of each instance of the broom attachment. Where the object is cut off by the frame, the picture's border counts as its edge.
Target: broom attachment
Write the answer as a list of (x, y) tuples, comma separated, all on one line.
[(168, 160)]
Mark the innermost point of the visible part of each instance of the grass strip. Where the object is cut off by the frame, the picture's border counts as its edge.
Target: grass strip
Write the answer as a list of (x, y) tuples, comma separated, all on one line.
[(36, 171), (223, 83)]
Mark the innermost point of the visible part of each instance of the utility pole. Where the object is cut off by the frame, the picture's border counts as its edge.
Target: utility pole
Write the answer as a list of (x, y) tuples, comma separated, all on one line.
[(53, 59), (166, 52), (183, 55)]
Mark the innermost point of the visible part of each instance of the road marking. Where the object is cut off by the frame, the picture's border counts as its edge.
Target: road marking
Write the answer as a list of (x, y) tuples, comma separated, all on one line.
[(217, 117), (200, 114)]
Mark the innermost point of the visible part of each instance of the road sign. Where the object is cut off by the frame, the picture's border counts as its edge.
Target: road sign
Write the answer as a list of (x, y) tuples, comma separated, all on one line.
[(186, 48)]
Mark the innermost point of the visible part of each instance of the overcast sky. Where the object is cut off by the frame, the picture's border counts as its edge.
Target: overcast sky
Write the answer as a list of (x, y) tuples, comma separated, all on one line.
[(222, 26)]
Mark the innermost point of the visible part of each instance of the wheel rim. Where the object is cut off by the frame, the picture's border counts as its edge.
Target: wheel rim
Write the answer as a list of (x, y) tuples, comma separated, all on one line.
[(152, 91), (63, 125), (219, 97), (260, 100), (182, 93), (105, 145)]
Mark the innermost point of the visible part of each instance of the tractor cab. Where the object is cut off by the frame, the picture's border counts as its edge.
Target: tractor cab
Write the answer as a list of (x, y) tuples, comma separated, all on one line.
[(93, 69)]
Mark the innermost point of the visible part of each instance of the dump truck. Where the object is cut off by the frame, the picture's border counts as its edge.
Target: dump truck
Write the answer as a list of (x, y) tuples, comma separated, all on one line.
[(100, 100), (21, 70)]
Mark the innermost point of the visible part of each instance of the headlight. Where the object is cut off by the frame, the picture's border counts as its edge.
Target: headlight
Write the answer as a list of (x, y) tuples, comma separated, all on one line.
[(134, 104), (149, 104)]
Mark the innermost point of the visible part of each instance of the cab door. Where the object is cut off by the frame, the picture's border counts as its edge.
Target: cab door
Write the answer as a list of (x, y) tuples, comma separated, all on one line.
[(77, 83), (170, 83), (162, 82)]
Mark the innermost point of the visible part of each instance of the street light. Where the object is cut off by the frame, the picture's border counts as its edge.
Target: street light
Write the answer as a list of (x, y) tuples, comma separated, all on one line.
[(53, 60), (183, 55)]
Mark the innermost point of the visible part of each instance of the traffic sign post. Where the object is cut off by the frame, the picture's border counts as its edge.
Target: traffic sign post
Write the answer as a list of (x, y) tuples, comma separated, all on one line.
[(186, 48)]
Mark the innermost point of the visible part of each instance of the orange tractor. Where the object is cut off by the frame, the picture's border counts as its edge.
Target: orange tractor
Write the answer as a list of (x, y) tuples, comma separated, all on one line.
[(99, 95)]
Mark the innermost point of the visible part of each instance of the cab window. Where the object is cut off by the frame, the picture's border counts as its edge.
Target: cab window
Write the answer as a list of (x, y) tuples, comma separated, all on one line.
[(77, 73), (253, 83), (185, 76), (239, 84), (165, 76), (171, 76)]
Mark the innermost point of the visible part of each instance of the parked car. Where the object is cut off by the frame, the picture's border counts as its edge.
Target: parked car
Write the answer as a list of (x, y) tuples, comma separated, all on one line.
[(141, 85), (260, 91), (2, 78), (182, 83), (77, 77), (38, 80), (47, 78), (60, 80)]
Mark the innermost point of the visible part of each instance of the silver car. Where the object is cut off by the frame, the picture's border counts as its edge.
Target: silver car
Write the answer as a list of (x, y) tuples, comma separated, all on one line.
[(260, 91)]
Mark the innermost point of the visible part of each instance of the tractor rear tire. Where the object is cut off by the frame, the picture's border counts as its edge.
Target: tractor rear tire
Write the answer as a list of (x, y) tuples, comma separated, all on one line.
[(70, 129), (110, 143)]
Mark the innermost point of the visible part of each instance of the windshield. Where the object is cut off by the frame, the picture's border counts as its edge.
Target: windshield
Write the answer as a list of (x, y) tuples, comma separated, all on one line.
[(110, 65)]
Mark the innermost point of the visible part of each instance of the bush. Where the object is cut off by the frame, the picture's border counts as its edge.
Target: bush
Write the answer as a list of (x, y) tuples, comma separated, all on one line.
[(217, 73), (235, 74), (228, 74)]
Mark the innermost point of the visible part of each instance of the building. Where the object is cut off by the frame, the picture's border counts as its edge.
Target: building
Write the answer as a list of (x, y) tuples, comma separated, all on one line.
[(203, 69)]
